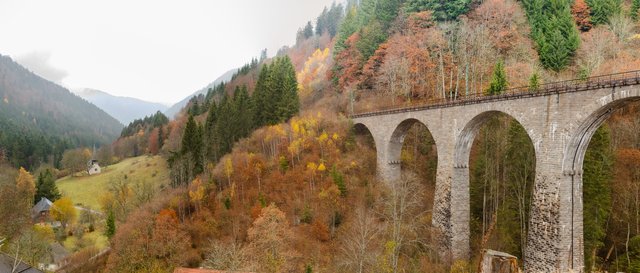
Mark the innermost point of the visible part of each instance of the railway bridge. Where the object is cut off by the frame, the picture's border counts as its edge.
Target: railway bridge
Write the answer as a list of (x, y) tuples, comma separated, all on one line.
[(560, 119)]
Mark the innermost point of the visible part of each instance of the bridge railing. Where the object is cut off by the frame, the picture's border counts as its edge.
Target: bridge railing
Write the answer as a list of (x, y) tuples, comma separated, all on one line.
[(575, 85)]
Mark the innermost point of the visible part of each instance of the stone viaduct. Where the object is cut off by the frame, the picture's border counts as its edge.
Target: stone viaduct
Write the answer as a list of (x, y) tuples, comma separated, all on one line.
[(560, 119)]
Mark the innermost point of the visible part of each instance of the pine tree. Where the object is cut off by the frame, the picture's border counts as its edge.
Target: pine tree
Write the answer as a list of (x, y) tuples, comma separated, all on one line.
[(498, 80), (245, 110), (308, 31), (596, 191), (111, 225), (224, 127), (192, 144), (554, 31), (635, 9), (262, 96), (46, 187), (443, 10), (209, 133), (287, 88), (321, 22), (534, 82), (602, 10)]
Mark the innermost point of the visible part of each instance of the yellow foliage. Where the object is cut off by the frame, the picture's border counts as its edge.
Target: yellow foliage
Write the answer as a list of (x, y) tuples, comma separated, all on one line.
[(228, 168), (64, 211), (196, 190), (323, 137), (312, 166), (25, 185), (321, 167), (335, 136), (314, 68), (45, 232)]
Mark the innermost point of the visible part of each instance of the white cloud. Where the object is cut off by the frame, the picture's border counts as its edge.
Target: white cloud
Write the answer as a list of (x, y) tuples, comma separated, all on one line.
[(153, 50), (39, 63)]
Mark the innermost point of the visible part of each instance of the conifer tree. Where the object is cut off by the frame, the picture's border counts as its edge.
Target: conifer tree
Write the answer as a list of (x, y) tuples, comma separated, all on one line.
[(210, 136), (308, 31), (262, 96), (46, 187), (245, 112), (498, 80), (321, 22), (534, 82), (224, 132), (635, 9), (598, 164), (286, 84), (111, 225), (192, 144), (554, 31), (602, 10), (443, 10)]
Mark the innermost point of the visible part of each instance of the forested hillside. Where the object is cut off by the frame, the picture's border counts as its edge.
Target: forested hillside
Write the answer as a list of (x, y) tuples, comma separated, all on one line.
[(268, 173), (309, 183), (39, 119)]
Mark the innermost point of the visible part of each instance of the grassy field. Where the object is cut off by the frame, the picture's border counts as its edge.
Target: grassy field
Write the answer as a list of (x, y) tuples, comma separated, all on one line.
[(86, 190)]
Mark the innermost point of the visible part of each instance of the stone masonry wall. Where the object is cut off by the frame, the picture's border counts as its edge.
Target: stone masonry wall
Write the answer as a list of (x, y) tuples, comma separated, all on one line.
[(560, 127)]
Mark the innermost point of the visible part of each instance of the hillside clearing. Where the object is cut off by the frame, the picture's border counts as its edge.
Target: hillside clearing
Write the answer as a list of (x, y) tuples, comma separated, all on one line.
[(86, 190)]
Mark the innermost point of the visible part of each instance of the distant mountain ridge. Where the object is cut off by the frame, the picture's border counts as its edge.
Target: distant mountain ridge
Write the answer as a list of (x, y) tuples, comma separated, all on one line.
[(124, 109), (173, 110), (39, 119)]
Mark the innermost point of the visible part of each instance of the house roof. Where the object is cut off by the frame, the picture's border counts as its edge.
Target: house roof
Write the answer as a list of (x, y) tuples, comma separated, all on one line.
[(43, 205), (58, 252), (7, 262)]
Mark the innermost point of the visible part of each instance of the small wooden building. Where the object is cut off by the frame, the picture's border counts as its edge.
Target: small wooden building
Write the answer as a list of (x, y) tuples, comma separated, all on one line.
[(40, 212)]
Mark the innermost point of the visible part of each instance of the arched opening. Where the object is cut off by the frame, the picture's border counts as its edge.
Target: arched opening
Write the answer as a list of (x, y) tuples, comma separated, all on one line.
[(496, 156), (603, 159), (361, 140), (409, 200)]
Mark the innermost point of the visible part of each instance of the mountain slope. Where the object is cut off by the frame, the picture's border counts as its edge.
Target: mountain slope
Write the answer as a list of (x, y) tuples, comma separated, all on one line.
[(173, 110), (124, 109), (36, 113)]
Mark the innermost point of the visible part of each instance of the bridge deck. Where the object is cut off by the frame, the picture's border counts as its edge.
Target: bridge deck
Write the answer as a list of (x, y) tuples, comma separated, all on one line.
[(553, 88)]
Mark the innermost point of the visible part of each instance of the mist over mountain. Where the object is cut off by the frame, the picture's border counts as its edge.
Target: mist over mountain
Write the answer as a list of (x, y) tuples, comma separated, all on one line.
[(124, 109), (173, 110), (39, 119)]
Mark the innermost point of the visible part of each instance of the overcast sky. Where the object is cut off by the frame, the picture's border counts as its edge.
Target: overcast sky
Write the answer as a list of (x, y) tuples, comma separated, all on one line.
[(160, 51)]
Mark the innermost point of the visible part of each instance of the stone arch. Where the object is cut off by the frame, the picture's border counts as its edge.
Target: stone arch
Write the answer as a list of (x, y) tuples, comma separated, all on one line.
[(460, 195), (572, 165), (361, 128), (396, 141), (468, 134), (576, 149)]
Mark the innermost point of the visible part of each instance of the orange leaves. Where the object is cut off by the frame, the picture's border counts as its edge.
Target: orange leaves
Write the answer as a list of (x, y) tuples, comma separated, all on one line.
[(350, 63), (581, 12), (167, 215)]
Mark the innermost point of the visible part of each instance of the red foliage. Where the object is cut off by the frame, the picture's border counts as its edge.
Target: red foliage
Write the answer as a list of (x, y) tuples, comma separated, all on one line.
[(154, 142), (350, 63), (581, 14)]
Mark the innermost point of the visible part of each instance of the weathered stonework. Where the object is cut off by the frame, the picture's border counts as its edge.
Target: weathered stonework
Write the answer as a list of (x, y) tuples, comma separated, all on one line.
[(560, 126)]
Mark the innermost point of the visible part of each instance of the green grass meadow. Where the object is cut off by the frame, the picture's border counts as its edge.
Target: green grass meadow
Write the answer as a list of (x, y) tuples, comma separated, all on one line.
[(86, 190)]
